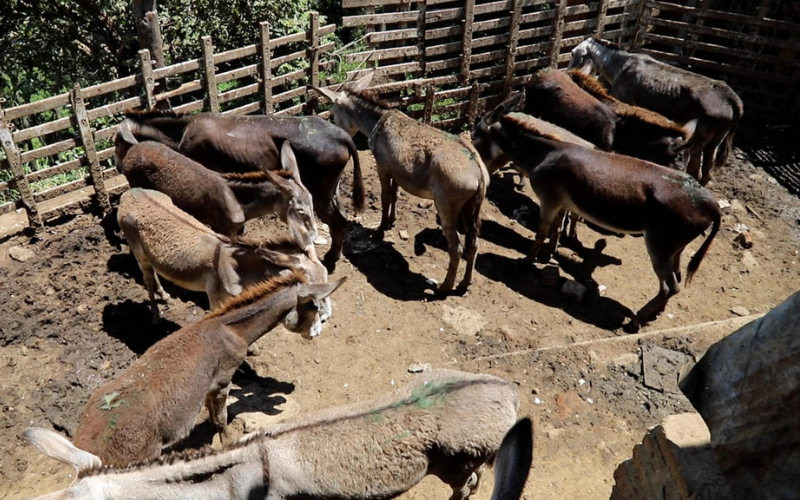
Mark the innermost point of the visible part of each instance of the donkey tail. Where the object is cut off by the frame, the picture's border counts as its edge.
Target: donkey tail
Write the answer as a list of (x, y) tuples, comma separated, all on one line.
[(697, 258), (359, 195), (471, 212)]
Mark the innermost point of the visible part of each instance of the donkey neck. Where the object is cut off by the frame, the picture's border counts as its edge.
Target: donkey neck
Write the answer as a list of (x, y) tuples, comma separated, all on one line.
[(256, 198), (253, 320), (366, 114), (608, 61), (524, 149), (237, 473)]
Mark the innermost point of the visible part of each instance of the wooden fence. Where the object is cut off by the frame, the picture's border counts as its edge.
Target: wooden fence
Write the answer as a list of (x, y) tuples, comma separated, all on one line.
[(442, 61), (269, 76)]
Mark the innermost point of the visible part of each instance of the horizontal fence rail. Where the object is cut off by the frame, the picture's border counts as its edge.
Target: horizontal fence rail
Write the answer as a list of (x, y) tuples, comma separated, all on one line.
[(441, 61), (72, 134)]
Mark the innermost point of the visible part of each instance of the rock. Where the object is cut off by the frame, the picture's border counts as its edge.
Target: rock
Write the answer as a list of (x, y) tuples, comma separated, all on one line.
[(403, 234), (736, 206), (463, 320), (748, 260), (744, 239), (20, 254), (723, 203), (550, 275), (746, 389), (673, 461), (740, 311), (419, 367), (573, 290), (661, 368), (740, 228)]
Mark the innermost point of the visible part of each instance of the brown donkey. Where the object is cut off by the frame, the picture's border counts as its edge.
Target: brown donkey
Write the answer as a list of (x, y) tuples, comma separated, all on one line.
[(155, 401), (444, 423), (169, 242), (424, 161), (616, 192)]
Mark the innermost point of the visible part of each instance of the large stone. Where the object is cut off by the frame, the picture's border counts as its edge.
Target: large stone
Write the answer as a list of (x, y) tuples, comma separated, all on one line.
[(747, 389), (20, 254), (463, 321)]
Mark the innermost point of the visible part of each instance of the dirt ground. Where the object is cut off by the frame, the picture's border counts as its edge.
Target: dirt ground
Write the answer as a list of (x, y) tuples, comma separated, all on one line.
[(75, 314)]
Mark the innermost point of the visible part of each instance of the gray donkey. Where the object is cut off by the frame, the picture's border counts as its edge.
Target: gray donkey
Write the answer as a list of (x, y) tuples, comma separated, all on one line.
[(445, 423), (169, 242), (424, 161), (221, 202)]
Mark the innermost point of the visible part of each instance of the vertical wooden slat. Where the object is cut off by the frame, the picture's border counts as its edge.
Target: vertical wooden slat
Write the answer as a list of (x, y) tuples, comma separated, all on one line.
[(146, 64), (15, 165), (210, 73), (558, 32), (645, 13), (513, 42), (472, 111), (428, 112), (602, 11), (466, 40), (157, 45), (422, 7), (266, 68), (313, 67), (95, 172)]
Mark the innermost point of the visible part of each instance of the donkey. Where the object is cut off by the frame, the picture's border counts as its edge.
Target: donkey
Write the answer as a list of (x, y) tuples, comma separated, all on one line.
[(167, 241), (616, 192), (640, 132), (155, 401), (445, 423), (222, 203), (251, 143), (678, 94), (424, 161)]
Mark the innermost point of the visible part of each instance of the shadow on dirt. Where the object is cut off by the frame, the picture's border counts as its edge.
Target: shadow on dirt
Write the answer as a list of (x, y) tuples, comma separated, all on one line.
[(526, 280), (386, 269), (130, 323)]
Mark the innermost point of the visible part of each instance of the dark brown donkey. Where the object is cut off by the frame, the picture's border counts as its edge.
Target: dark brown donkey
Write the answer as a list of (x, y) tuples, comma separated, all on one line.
[(617, 192), (252, 143), (678, 94)]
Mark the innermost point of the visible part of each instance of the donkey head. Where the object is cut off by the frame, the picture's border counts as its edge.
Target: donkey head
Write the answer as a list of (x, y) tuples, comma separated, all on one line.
[(297, 208), (123, 141), (581, 57), (482, 138), (344, 108), (670, 150), (305, 318)]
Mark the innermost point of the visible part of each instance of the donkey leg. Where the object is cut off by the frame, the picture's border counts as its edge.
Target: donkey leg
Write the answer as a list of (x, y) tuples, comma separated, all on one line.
[(549, 217), (663, 260), (218, 412), (448, 216), (386, 200), (695, 157), (470, 253), (464, 488), (332, 216), (152, 284), (710, 155)]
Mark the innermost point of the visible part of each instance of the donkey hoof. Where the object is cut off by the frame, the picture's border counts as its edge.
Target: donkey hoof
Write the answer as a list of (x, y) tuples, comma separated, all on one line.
[(631, 327)]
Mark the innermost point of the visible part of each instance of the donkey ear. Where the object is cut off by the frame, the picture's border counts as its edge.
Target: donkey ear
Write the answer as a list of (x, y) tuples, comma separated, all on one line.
[(289, 161), (331, 95), (56, 446), (318, 291), (513, 461), (689, 129), (125, 133), (503, 108), (362, 83), (279, 258)]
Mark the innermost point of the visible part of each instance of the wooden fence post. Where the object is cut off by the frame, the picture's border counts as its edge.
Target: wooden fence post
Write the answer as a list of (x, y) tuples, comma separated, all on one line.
[(15, 165), (472, 111), (95, 172), (266, 68), (466, 40), (602, 11), (147, 79), (513, 42), (312, 100), (645, 12), (210, 75), (558, 32), (421, 28), (427, 113)]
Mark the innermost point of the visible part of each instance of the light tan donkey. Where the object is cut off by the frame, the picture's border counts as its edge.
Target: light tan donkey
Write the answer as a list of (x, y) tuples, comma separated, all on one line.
[(425, 162), (155, 401), (445, 423), (169, 242)]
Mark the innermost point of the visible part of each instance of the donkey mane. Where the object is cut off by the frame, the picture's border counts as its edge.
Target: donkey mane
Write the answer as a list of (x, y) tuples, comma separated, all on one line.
[(609, 44), (521, 122), (283, 243), (423, 395), (623, 110), (257, 292), (254, 177), (151, 114), (370, 99)]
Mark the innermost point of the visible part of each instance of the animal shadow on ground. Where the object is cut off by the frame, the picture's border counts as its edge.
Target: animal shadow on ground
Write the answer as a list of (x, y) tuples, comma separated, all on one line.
[(125, 265), (257, 394), (525, 279), (130, 323), (385, 268)]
